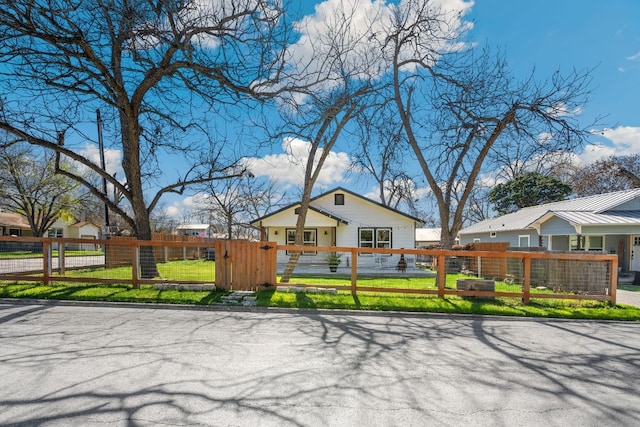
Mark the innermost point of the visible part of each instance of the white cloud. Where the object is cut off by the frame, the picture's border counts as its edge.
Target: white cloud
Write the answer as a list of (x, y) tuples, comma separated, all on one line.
[(561, 110), (175, 210), (182, 209), (112, 158), (288, 168), (351, 36), (619, 141), (634, 56)]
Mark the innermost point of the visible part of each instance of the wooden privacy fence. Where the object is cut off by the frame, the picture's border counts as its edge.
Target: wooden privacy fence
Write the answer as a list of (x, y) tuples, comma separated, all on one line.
[(245, 265)]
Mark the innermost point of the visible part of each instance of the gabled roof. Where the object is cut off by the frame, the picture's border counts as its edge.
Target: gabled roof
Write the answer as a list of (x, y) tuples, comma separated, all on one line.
[(10, 219), (335, 190), (597, 209), (296, 205), (328, 215)]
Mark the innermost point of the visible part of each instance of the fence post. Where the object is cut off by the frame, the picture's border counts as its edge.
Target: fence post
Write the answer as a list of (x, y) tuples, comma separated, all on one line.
[(135, 257), (442, 275), (613, 286), (526, 280), (354, 272), (61, 258), (46, 263)]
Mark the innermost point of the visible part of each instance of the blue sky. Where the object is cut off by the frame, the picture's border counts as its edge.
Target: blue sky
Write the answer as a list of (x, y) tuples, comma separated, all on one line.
[(563, 34), (545, 35)]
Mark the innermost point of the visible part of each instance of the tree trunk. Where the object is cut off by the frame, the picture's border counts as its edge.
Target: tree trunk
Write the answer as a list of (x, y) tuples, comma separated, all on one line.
[(131, 166), (294, 256)]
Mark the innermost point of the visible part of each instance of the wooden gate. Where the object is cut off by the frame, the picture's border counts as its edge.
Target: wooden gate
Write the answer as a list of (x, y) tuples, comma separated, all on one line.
[(245, 266)]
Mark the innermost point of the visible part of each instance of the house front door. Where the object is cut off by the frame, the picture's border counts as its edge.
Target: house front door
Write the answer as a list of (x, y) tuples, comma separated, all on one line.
[(635, 253)]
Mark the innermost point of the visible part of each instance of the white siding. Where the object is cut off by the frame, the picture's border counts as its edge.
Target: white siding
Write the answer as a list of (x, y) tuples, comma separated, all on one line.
[(288, 218), (362, 214)]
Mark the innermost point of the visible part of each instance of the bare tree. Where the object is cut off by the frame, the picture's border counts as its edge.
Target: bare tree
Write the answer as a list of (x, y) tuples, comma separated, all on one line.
[(161, 70), (30, 186), (235, 202), (611, 174), (458, 106), (381, 155), (334, 85)]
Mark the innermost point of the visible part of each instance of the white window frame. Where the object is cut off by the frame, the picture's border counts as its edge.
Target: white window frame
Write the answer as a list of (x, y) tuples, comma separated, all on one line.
[(55, 232), (522, 236), (376, 240), (573, 242), (381, 242), (309, 238)]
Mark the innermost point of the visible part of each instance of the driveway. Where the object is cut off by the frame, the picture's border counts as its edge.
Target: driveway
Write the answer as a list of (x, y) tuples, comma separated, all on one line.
[(628, 297), (96, 365)]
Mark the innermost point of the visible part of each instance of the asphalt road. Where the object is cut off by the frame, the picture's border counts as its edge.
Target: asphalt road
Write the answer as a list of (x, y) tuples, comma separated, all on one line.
[(109, 365)]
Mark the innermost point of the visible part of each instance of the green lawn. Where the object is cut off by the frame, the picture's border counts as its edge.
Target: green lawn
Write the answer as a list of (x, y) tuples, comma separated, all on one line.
[(197, 270), (570, 309)]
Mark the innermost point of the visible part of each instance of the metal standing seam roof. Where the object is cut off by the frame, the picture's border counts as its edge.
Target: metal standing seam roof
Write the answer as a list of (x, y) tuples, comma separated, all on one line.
[(589, 209), (611, 218)]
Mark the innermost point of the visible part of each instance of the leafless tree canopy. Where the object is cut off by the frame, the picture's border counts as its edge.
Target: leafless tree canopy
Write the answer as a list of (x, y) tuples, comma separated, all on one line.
[(460, 107), (611, 174), (164, 74), (161, 70), (236, 202)]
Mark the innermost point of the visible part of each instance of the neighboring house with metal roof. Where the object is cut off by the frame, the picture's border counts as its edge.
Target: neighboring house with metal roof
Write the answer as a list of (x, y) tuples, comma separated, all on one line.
[(607, 222), (340, 217), (427, 237)]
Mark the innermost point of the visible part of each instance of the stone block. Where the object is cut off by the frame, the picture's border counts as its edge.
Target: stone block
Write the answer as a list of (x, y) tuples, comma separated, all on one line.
[(475, 285)]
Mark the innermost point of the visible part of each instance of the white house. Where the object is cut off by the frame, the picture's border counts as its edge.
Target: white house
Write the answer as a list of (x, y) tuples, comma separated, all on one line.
[(606, 222), (14, 224), (340, 217), (75, 230), (200, 230)]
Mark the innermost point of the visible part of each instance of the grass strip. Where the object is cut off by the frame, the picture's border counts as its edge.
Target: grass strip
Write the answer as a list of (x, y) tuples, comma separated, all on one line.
[(544, 308)]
